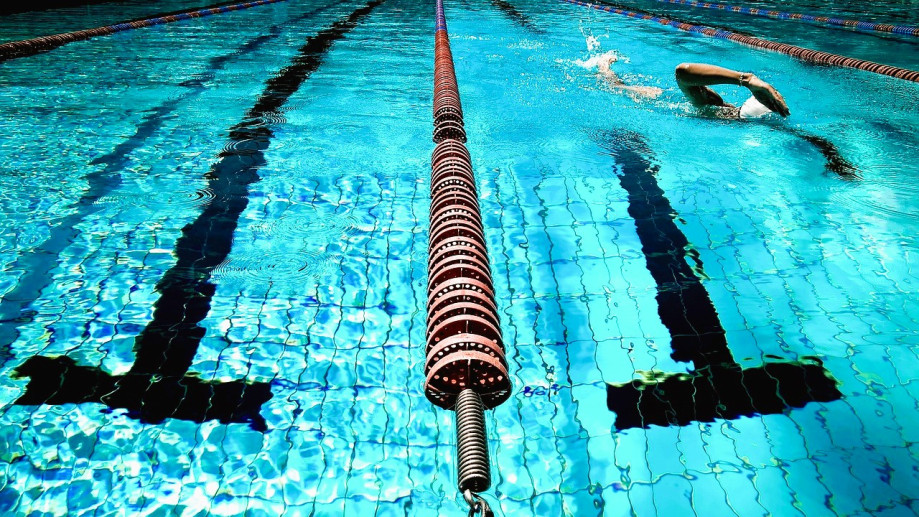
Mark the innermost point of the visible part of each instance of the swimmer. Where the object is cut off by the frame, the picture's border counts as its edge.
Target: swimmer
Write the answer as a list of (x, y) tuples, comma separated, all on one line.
[(613, 80), (694, 80)]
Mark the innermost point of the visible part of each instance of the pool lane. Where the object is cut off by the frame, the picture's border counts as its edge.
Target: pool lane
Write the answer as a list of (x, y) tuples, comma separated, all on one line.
[(718, 387), (38, 264), (157, 386), (535, 104)]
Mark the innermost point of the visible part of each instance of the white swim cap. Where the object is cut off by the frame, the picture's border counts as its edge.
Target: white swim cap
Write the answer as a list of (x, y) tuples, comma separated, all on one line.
[(753, 108)]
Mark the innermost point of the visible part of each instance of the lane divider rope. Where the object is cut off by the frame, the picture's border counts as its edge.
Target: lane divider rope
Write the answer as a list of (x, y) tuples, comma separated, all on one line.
[(805, 54), (30, 47), (906, 30), (465, 367)]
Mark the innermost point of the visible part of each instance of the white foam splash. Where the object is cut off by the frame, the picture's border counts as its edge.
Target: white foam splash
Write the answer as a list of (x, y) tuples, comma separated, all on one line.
[(592, 43), (593, 61)]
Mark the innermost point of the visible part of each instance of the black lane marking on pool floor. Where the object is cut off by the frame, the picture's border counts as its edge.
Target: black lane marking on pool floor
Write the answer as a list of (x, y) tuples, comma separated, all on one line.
[(625, 7), (518, 17), (42, 259), (157, 386), (181, 11), (718, 387)]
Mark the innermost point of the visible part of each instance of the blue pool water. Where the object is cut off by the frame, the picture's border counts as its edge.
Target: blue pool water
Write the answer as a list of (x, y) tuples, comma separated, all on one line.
[(309, 283)]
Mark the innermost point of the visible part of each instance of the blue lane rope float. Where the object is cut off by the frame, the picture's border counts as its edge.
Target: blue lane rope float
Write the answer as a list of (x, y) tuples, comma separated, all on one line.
[(465, 366), (30, 47), (804, 54), (905, 30)]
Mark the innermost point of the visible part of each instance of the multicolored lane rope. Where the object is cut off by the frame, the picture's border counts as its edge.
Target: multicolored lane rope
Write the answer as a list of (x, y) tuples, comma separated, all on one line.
[(805, 54), (30, 47), (834, 22)]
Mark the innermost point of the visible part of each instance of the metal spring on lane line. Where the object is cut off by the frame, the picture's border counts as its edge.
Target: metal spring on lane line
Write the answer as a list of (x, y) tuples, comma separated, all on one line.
[(471, 443)]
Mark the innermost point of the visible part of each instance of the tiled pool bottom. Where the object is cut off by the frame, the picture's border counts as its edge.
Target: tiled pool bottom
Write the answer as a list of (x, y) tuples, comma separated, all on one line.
[(340, 421), (573, 264), (351, 434), (847, 457)]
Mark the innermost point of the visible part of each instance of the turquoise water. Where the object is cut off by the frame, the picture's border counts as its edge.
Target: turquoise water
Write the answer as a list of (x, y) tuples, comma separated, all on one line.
[(112, 146)]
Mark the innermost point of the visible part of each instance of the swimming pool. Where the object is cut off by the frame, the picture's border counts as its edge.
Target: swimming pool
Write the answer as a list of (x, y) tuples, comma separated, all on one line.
[(312, 286)]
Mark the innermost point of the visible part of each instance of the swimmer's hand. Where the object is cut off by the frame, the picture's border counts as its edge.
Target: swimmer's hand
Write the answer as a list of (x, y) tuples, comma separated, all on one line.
[(767, 96)]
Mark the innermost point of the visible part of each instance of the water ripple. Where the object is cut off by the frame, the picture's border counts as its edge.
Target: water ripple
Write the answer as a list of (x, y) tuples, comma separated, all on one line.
[(274, 267), (174, 197), (311, 226), (890, 192)]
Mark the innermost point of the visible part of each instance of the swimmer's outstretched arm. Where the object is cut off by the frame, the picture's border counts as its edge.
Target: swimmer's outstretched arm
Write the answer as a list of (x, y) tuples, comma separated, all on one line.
[(604, 71), (694, 80), (701, 74)]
